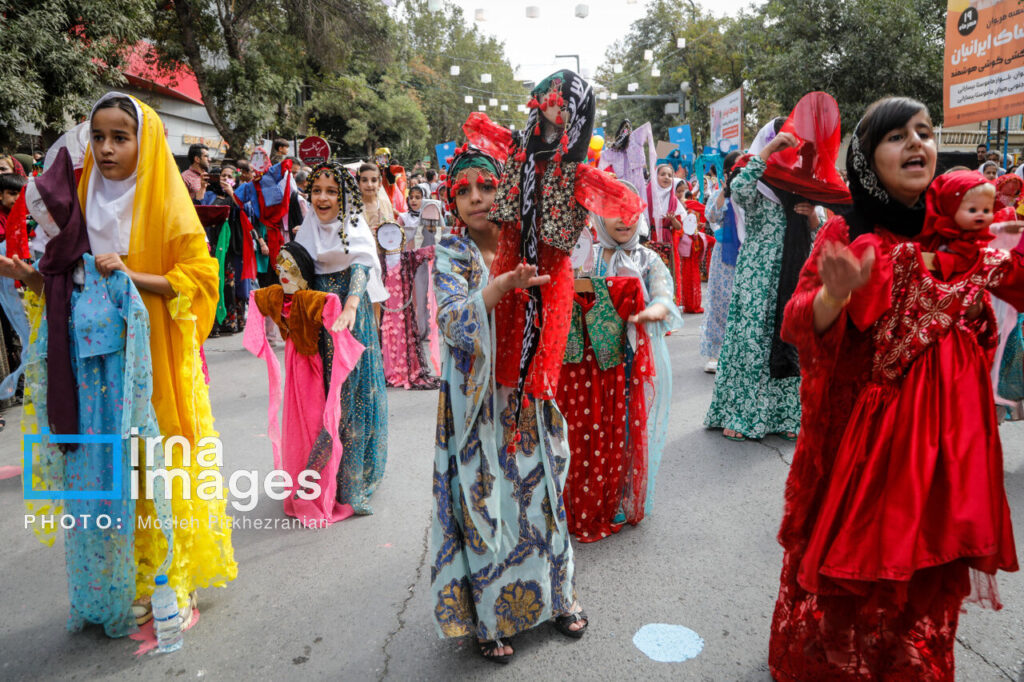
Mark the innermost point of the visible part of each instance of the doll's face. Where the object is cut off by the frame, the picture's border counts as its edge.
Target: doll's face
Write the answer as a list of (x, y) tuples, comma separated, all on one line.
[(551, 111), (390, 237), (289, 274), (975, 212), (584, 246), (1011, 188)]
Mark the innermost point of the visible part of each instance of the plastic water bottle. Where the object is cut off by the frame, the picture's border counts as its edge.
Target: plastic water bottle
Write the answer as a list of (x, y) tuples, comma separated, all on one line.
[(166, 622)]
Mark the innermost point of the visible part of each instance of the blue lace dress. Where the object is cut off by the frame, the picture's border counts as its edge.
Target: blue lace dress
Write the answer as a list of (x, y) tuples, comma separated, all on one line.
[(364, 398), (111, 361)]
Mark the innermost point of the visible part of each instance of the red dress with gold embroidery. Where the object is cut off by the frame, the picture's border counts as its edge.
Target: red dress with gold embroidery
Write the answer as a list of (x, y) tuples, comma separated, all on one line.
[(895, 492), (918, 478)]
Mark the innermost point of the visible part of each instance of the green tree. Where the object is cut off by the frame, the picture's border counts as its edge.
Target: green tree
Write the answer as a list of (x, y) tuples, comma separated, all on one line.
[(708, 63), (255, 60), (433, 42), (856, 50), (58, 56)]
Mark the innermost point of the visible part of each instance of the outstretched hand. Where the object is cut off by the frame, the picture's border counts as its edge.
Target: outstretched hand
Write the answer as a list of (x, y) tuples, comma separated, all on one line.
[(656, 312), (1010, 227), (524, 277), (841, 271), (15, 268)]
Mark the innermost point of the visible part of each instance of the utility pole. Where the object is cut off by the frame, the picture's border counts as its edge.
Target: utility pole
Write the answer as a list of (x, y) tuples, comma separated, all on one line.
[(571, 56)]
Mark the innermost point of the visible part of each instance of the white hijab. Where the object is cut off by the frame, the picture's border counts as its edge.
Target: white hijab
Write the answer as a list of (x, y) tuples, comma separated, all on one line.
[(323, 241), (661, 197), (109, 203), (622, 263), (761, 140)]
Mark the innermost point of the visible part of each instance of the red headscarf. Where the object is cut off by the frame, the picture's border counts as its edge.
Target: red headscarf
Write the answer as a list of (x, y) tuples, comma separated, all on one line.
[(959, 248), (809, 169), (1001, 182)]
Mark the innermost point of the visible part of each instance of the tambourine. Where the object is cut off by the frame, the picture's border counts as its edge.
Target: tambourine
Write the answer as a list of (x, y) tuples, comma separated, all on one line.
[(430, 216), (582, 254)]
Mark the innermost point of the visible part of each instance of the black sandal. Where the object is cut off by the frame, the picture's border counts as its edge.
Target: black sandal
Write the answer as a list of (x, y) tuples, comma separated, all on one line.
[(487, 649), (563, 622)]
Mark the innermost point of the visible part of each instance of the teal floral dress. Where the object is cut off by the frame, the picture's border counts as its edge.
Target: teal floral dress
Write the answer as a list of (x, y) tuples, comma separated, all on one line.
[(109, 334), (364, 397), (746, 398), (500, 558)]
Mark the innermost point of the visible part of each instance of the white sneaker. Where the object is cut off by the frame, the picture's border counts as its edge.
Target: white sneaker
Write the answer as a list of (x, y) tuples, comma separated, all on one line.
[(711, 367)]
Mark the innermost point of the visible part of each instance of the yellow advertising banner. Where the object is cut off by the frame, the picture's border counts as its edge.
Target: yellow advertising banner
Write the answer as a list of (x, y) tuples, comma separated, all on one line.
[(983, 73)]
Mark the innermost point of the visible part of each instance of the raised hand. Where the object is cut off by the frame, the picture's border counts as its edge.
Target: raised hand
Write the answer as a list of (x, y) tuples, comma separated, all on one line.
[(524, 277), (778, 143), (841, 271)]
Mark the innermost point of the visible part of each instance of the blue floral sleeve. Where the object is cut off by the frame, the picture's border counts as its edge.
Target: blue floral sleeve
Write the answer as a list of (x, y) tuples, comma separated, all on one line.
[(462, 319)]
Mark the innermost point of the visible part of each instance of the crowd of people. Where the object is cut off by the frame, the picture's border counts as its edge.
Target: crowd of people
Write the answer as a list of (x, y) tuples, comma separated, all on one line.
[(870, 316)]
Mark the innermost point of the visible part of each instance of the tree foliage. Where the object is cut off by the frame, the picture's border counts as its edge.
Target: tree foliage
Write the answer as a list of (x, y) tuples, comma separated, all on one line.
[(58, 57), (856, 50)]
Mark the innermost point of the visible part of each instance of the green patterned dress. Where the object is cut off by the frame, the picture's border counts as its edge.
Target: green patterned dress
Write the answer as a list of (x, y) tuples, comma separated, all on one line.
[(500, 558), (746, 398)]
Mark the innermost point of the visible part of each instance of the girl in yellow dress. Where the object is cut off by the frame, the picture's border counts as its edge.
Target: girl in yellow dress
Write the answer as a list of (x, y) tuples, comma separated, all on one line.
[(140, 221)]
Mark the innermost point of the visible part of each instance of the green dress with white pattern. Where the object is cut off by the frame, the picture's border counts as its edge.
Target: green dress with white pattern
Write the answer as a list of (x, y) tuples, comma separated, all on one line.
[(746, 398)]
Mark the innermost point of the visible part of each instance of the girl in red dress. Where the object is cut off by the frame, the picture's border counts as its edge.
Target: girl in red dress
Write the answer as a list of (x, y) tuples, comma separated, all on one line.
[(893, 496)]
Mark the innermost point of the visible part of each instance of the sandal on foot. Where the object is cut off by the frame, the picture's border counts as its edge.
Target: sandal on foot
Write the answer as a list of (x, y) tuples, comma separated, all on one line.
[(487, 649), (788, 435), (739, 437), (186, 613), (563, 622), (142, 609)]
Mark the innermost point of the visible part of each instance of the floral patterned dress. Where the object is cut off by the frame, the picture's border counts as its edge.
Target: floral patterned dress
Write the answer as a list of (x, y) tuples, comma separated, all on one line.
[(720, 283), (109, 334), (500, 557), (364, 397), (404, 364), (746, 398)]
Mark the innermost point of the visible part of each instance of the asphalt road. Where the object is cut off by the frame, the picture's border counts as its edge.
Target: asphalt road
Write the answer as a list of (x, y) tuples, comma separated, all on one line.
[(350, 602)]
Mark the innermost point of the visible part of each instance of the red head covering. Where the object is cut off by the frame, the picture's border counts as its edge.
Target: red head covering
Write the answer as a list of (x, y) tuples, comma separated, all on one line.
[(809, 169), (1001, 182), (959, 247)]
